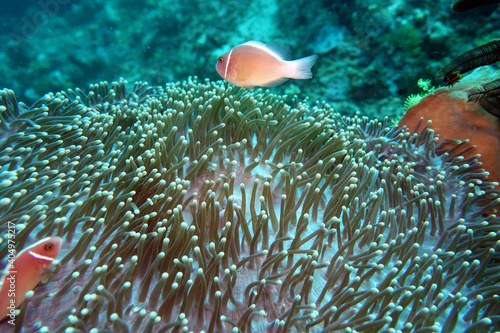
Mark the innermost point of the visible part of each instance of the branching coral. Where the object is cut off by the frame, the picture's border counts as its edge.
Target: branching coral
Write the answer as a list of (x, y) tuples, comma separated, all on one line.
[(202, 207)]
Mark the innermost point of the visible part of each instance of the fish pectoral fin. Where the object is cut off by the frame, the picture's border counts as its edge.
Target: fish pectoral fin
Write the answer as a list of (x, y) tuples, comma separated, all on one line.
[(45, 278), (48, 272), (46, 275)]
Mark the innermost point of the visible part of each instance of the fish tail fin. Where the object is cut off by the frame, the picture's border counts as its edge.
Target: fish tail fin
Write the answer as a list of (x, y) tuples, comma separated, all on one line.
[(302, 67)]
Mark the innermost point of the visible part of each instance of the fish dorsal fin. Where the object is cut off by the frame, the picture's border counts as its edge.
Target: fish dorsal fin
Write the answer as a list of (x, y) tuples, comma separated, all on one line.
[(277, 49), (280, 49)]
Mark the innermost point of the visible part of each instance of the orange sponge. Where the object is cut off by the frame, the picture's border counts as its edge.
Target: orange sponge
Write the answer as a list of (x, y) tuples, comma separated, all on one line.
[(454, 118)]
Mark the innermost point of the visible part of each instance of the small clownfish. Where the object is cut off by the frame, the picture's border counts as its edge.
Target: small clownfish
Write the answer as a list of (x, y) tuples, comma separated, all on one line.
[(27, 270), (257, 64)]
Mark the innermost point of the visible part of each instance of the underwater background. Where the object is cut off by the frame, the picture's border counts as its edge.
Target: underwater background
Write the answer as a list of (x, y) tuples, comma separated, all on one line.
[(371, 53), (173, 201)]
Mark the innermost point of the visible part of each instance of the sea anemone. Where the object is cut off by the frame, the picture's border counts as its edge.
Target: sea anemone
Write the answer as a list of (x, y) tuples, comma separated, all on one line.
[(200, 206)]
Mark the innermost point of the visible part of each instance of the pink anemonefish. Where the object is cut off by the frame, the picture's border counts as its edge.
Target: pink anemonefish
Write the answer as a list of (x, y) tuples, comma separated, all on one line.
[(28, 269), (257, 64)]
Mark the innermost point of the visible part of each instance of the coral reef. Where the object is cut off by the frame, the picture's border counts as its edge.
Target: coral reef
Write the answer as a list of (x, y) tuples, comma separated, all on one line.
[(202, 206), (368, 56), (454, 118)]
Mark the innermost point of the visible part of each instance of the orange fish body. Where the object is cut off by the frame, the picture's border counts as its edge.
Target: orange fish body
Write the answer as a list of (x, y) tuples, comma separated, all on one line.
[(25, 272), (257, 64)]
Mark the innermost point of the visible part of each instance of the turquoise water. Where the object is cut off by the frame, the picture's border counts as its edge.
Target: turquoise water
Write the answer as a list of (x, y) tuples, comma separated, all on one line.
[(371, 54)]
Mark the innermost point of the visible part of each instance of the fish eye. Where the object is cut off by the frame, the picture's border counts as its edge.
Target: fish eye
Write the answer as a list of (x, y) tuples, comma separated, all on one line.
[(49, 246), (221, 59)]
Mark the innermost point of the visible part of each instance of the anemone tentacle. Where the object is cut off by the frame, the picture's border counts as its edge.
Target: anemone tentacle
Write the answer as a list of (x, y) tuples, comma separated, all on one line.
[(200, 206)]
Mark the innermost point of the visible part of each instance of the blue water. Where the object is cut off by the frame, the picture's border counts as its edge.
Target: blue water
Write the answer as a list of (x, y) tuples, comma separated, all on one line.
[(371, 54)]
